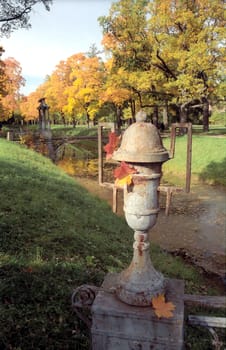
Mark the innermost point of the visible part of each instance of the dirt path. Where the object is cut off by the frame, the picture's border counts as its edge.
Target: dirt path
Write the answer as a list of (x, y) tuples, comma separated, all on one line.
[(195, 227)]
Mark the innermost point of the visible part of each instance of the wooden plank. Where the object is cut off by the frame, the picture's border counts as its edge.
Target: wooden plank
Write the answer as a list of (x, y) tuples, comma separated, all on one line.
[(100, 148), (187, 126), (100, 155), (115, 194), (107, 184), (189, 157), (207, 321), (217, 302), (163, 188), (108, 125), (114, 202), (172, 141), (169, 190), (180, 125), (169, 194)]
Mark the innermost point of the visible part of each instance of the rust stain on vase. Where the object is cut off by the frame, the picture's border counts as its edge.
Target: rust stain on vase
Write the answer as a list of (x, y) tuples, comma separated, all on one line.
[(140, 246)]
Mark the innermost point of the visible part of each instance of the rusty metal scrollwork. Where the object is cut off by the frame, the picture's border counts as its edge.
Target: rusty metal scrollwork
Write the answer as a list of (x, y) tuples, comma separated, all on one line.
[(215, 339), (82, 300)]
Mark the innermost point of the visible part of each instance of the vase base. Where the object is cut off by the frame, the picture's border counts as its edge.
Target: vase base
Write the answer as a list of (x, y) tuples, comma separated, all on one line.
[(139, 295)]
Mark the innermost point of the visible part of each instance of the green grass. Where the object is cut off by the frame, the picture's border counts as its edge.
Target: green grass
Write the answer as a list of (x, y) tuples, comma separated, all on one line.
[(55, 236), (51, 229), (208, 160), (218, 118), (59, 130), (213, 130)]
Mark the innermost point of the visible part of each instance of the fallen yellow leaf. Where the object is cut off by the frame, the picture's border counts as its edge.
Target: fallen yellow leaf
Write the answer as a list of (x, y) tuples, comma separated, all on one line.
[(161, 307), (127, 180)]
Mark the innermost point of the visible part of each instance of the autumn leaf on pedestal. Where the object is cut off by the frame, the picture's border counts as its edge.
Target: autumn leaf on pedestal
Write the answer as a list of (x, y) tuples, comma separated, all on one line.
[(127, 180), (112, 144), (123, 174), (161, 307)]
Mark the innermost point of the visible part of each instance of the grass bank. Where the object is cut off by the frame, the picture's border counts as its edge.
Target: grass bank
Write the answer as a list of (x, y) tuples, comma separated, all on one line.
[(208, 160), (55, 236)]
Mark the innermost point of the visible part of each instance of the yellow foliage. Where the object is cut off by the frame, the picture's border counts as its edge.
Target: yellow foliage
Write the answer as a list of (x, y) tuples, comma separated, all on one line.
[(125, 181)]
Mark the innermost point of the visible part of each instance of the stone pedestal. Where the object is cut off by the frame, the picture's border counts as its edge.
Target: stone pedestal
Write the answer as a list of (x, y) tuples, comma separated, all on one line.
[(45, 137), (9, 136), (118, 326)]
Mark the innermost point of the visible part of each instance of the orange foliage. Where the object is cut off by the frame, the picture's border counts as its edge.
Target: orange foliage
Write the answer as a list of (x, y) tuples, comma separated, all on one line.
[(28, 106), (161, 307), (108, 41), (13, 83)]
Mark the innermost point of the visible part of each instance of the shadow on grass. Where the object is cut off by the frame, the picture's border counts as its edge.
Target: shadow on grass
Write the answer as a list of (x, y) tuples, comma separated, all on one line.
[(213, 131), (214, 173), (36, 310), (54, 236)]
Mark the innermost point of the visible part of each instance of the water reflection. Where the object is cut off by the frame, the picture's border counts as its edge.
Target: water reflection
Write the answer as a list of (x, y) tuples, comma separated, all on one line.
[(78, 159), (79, 167), (81, 159)]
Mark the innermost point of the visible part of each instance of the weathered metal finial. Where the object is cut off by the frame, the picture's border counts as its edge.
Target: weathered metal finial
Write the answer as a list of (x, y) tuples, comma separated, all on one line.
[(141, 116)]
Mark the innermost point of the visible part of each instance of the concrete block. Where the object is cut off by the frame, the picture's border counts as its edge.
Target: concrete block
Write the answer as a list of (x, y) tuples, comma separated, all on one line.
[(119, 326)]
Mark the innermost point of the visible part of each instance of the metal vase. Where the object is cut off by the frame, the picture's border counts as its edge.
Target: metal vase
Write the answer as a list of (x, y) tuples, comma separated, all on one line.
[(140, 282)]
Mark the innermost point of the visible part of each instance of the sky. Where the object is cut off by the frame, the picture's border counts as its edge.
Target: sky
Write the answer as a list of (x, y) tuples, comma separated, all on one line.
[(70, 27)]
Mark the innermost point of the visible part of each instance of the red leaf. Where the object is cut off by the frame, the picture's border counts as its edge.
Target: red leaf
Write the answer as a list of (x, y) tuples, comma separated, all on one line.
[(123, 171), (112, 144)]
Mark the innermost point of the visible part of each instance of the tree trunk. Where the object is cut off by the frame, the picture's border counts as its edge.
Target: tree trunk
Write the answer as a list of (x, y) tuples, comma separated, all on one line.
[(133, 110), (205, 114), (63, 118), (87, 119), (165, 117), (155, 118), (183, 118), (118, 116), (74, 122)]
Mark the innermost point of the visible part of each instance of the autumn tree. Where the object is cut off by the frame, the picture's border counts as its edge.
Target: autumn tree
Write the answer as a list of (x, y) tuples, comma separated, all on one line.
[(3, 81), (72, 90), (52, 89), (93, 51), (87, 76), (55, 87), (10, 101), (187, 39), (15, 14), (170, 50), (125, 38), (29, 104), (115, 91)]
